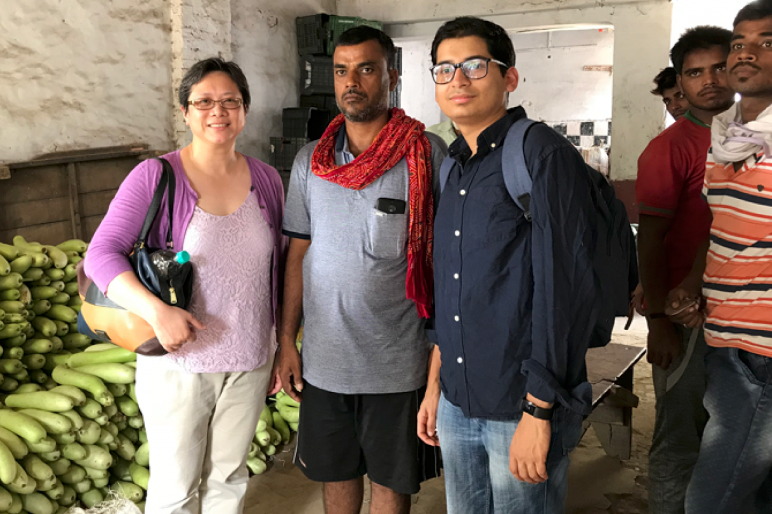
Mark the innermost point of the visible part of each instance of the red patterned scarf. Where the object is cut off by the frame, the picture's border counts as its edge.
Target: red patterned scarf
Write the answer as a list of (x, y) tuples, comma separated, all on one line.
[(401, 137)]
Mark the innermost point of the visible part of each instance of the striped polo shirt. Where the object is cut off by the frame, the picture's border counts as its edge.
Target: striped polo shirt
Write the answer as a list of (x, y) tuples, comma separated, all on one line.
[(738, 275)]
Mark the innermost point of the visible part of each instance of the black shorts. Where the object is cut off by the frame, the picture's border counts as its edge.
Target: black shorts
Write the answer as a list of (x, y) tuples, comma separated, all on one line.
[(345, 436)]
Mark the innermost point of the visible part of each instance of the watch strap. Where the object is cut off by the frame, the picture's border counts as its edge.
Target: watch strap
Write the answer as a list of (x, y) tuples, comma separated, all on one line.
[(536, 411)]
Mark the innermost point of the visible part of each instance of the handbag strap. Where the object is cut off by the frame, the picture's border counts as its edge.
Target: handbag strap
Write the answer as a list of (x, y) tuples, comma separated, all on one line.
[(170, 200), (166, 182)]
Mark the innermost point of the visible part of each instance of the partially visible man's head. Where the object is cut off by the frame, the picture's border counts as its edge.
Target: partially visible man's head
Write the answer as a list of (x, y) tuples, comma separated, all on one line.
[(672, 96), (750, 56), (364, 66), (700, 59), (487, 54)]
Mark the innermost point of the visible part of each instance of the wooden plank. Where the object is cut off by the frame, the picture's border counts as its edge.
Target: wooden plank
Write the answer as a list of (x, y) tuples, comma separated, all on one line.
[(138, 152), (72, 179), (89, 225), (96, 204), (49, 233), (14, 216), (103, 175), (599, 390), (608, 414), (611, 362), (615, 439), (40, 183)]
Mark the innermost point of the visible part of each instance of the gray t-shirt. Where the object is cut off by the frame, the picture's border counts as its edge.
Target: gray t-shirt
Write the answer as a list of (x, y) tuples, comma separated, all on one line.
[(361, 334)]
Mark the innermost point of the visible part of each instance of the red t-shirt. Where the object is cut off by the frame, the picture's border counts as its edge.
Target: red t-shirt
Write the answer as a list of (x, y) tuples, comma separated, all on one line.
[(671, 173)]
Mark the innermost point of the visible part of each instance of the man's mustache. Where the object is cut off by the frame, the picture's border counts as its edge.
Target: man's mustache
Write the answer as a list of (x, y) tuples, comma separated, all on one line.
[(751, 65)]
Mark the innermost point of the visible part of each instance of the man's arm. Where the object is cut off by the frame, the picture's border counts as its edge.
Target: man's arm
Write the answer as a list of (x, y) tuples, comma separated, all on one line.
[(664, 343), (690, 290), (564, 300), (427, 414), (292, 311)]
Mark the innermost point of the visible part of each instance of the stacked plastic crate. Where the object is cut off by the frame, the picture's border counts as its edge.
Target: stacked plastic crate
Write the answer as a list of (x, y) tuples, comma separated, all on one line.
[(316, 37)]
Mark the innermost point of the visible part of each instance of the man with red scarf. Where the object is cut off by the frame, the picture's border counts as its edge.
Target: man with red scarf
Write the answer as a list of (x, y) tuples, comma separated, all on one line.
[(360, 214)]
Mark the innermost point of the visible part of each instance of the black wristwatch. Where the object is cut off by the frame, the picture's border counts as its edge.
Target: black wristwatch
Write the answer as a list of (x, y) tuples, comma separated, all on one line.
[(537, 412)]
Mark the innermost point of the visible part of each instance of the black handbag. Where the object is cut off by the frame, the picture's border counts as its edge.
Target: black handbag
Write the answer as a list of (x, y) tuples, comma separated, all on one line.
[(102, 319)]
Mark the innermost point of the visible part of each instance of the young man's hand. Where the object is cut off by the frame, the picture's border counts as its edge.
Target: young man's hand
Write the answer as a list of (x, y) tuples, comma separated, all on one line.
[(664, 344), (683, 307), (529, 448), (639, 301)]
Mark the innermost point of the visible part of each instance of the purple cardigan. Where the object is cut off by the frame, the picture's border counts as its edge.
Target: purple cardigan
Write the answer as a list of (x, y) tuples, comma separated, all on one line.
[(107, 255)]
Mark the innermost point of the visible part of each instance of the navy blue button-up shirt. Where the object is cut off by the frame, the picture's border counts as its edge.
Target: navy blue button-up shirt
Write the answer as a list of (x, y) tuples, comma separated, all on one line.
[(515, 301)]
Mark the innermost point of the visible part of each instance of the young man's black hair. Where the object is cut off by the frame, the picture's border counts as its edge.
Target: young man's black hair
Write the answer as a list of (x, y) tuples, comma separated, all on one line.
[(665, 79), (362, 34), (757, 10), (496, 38), (201, 69), (703, 37)]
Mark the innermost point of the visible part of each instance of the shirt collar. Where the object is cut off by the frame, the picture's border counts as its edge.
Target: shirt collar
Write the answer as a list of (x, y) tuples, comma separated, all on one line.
[(343, 153), (490, 138)]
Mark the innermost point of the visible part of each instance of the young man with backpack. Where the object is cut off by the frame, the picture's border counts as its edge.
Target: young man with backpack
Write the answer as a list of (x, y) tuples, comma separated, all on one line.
[(674, 221), (518, 297)]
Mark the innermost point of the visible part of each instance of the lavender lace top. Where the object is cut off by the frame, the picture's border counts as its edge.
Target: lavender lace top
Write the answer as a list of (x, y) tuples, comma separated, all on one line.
[(231, 258)]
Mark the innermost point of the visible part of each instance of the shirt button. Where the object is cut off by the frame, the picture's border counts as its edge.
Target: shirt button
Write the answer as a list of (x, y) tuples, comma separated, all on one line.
[(493, 145), (459, 360), (455, 275), (458, 233), (457, 318), (462, 192)]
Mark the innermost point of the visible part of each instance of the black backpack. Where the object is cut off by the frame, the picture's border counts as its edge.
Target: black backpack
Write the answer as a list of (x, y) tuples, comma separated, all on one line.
[(615, 261)]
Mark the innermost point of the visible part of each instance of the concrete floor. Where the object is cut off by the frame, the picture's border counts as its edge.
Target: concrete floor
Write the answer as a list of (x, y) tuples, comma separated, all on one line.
[(597, 484)]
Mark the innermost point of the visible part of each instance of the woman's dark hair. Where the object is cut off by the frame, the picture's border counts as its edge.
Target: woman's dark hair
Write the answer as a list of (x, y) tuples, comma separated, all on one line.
[(496, 38), (665, 79), (703, 37), (201, 69), (757, 10), (362, 34)]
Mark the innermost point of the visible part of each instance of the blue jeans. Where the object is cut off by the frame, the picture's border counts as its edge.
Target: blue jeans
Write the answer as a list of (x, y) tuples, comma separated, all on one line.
[(475, 453), (733, 473)]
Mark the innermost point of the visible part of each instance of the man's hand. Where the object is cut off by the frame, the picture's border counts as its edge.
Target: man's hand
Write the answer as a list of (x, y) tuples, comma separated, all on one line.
[(529, 448), (683, 307), (289, 369), (664, 344), (638, 300), (427, 417), (275, 385)]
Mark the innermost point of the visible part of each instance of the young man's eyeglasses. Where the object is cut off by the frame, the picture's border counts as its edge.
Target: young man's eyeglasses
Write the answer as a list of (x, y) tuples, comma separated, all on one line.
[(476, 68), (205, 104)]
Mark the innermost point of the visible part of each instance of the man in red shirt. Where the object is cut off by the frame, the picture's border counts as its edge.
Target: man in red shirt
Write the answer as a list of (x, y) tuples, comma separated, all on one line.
[(674, 221)]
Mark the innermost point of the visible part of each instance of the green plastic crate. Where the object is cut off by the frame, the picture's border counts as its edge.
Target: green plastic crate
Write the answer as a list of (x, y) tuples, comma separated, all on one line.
[(337, 25)]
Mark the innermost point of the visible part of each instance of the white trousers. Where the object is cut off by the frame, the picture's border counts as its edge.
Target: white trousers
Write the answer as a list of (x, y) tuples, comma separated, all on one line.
[(199, 426)]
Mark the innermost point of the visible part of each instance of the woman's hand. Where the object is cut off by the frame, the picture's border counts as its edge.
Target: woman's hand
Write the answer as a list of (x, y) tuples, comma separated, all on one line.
[(174, 327)]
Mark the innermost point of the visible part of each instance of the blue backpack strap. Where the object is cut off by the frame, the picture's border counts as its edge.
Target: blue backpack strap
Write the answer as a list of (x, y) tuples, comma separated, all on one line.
[(447, 165), (517, 178)]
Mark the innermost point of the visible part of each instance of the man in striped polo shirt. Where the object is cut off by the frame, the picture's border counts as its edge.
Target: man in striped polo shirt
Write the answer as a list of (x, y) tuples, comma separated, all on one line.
[(733, 473), (674, 221)]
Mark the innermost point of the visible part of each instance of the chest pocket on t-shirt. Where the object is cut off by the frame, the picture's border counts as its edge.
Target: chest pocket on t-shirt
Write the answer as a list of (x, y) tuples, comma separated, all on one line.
[(386, 234)]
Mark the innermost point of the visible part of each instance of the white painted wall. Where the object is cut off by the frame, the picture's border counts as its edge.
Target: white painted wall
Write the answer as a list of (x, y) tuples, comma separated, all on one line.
[(553, 87), (83, 73), (642, 32), (690, 13), (265, 46)]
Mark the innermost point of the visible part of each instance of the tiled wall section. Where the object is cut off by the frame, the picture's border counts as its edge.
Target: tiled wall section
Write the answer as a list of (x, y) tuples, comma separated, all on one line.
[(585, 133)]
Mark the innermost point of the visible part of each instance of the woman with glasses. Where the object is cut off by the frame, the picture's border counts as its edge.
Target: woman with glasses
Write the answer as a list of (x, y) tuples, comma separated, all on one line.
[(202, 400)]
